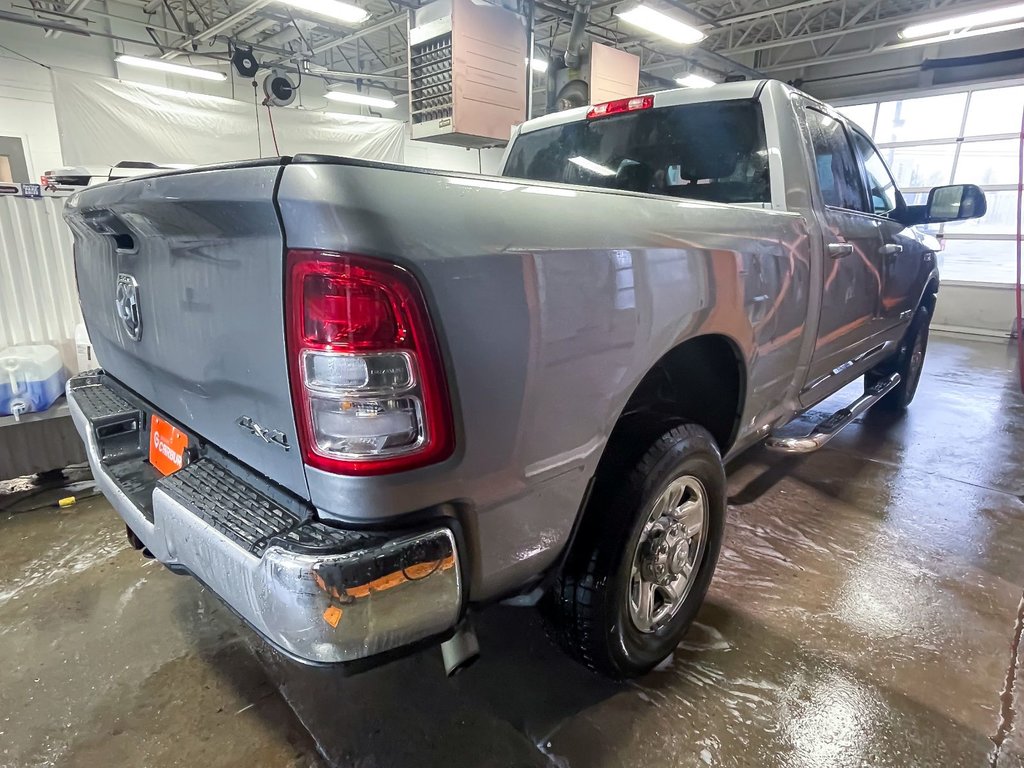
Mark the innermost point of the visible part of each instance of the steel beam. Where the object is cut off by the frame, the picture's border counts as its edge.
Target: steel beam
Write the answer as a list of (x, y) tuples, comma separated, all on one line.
[(226, 23)]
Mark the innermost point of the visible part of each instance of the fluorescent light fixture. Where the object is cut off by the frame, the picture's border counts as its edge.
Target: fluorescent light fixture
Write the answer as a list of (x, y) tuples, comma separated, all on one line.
[(965, 22), (694, 81), (331, 9), (539, 65), (167, 66), (590, 165), (959, 35), (359, 98), (661, 24)]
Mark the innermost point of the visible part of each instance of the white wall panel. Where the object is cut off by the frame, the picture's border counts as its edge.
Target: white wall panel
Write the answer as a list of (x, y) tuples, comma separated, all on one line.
[(442, 157), (975, 307), (38, 299), (26, 113)]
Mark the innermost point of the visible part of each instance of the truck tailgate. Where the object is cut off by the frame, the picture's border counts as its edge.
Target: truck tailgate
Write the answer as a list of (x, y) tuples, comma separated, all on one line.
[(202, 252)]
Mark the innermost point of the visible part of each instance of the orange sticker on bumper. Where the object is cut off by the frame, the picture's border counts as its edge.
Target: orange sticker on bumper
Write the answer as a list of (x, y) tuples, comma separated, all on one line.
[(167, 446)]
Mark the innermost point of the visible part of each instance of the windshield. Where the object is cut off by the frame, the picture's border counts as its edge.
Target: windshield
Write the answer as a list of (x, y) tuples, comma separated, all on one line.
[(712, 151)]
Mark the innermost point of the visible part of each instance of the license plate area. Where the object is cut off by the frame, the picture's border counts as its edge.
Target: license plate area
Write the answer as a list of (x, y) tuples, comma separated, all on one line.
[(168, 446)]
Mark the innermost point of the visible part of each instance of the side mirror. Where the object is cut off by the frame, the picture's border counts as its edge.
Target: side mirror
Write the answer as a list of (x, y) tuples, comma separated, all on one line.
[(955, 203)]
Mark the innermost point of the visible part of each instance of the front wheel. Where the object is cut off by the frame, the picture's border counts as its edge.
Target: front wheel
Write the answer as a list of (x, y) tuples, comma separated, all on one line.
[(643, 559), (908, 362)]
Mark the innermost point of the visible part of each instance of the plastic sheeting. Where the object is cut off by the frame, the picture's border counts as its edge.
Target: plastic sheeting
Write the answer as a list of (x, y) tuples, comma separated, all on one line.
[(104, 121), (38, 299), (38, 305)]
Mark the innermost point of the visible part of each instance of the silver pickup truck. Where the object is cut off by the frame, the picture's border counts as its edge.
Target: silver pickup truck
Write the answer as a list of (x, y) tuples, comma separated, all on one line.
[(360, 402)]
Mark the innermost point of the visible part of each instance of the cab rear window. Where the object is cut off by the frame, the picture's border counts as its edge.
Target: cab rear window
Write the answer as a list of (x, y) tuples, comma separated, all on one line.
[(713, 151)]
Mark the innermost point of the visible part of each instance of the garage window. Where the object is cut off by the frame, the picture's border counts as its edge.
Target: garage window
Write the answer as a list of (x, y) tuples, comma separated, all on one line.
[(968, 136)]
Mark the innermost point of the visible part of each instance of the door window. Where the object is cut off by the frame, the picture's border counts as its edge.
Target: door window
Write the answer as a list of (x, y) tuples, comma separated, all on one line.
[(838, 173), (881, 187)]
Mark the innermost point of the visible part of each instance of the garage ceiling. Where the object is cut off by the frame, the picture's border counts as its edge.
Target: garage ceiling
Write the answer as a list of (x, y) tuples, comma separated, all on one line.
[(743, 36)]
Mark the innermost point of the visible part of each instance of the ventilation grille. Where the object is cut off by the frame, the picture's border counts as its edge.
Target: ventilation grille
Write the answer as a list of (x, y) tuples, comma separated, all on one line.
[(431, 79)]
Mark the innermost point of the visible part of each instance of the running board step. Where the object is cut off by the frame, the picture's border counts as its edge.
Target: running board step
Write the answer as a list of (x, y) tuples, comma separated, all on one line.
[(834, 424)]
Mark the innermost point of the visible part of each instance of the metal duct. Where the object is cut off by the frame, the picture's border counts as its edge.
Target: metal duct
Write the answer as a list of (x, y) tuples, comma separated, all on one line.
[(579, 26)]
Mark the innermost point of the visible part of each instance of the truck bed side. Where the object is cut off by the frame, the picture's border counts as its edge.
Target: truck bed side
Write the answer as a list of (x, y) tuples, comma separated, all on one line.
[(551, 302)]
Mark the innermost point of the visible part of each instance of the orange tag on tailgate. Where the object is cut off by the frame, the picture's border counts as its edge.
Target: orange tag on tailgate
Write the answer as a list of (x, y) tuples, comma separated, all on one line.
[(167, 445)]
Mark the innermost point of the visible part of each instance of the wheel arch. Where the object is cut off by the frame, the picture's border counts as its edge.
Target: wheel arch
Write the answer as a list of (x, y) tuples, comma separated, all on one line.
[(930, 295), (702, 380)]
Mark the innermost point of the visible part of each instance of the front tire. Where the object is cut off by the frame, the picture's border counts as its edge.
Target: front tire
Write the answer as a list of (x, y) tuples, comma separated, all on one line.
[(908, 362), (643, 558)]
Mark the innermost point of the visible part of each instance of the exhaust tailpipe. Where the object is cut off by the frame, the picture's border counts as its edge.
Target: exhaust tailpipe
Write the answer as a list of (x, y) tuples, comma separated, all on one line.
[(461, 649), (136, 542)]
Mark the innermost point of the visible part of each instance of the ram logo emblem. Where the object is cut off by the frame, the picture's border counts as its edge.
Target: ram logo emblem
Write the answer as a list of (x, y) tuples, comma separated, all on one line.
[(126, 303)]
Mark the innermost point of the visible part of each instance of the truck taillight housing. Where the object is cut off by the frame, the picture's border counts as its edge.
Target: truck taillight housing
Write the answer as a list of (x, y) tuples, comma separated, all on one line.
[(367, 380)]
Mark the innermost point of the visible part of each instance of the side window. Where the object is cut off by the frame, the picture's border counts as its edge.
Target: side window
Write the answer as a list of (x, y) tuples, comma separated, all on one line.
[(838, 172), (881, 187)]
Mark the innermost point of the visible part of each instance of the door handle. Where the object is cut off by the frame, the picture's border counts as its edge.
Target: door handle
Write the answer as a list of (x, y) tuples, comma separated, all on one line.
[(839, 250), (890, 249)]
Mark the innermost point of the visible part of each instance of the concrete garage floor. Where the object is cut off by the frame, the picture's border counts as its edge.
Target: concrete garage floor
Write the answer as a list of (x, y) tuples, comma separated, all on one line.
[(866, 612)]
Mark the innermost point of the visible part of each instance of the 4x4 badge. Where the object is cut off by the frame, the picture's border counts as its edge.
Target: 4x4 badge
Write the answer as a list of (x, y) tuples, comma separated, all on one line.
[(273, 436)]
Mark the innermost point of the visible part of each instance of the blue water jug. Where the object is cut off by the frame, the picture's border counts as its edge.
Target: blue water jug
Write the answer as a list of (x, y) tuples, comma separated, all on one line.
[(31, 379)]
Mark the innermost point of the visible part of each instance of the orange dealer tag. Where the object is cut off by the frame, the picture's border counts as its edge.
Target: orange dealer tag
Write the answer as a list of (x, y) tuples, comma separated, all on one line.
[(167, 445)]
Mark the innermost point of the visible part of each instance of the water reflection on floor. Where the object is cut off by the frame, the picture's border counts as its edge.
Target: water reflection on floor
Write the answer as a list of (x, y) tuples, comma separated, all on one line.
[(863, 614)]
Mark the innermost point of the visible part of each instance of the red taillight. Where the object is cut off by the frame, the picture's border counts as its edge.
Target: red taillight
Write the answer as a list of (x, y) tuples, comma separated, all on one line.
[(619, 106), (367, 381)]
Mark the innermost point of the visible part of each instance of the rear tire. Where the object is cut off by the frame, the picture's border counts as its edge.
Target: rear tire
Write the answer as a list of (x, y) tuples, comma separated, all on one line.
[(641, 563), (908, 362)]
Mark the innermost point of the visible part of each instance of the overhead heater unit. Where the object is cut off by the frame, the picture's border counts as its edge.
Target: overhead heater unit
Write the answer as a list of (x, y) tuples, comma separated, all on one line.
[(467, 73)]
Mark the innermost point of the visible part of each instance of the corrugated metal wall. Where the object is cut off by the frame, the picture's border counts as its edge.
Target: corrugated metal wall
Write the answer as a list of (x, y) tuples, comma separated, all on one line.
[(39, 446), (38, 299)]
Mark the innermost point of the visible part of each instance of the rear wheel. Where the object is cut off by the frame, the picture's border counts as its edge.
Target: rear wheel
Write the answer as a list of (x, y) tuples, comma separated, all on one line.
[(908, 362), (644, 556)]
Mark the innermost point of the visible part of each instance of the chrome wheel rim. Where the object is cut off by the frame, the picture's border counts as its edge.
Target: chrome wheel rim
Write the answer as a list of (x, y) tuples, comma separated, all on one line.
[(668, 554)]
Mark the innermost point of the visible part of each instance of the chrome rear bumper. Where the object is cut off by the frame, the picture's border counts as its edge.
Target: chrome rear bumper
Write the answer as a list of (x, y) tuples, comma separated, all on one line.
[(318, 593)]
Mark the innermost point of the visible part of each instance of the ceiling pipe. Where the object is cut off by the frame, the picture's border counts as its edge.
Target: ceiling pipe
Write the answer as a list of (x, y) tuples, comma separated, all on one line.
[(256, 28), (725, 61), (18, 18), (296, 29), (71, 10), (62, 16), (384, 23), (578, 28), (696, 52), (212, 31)]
